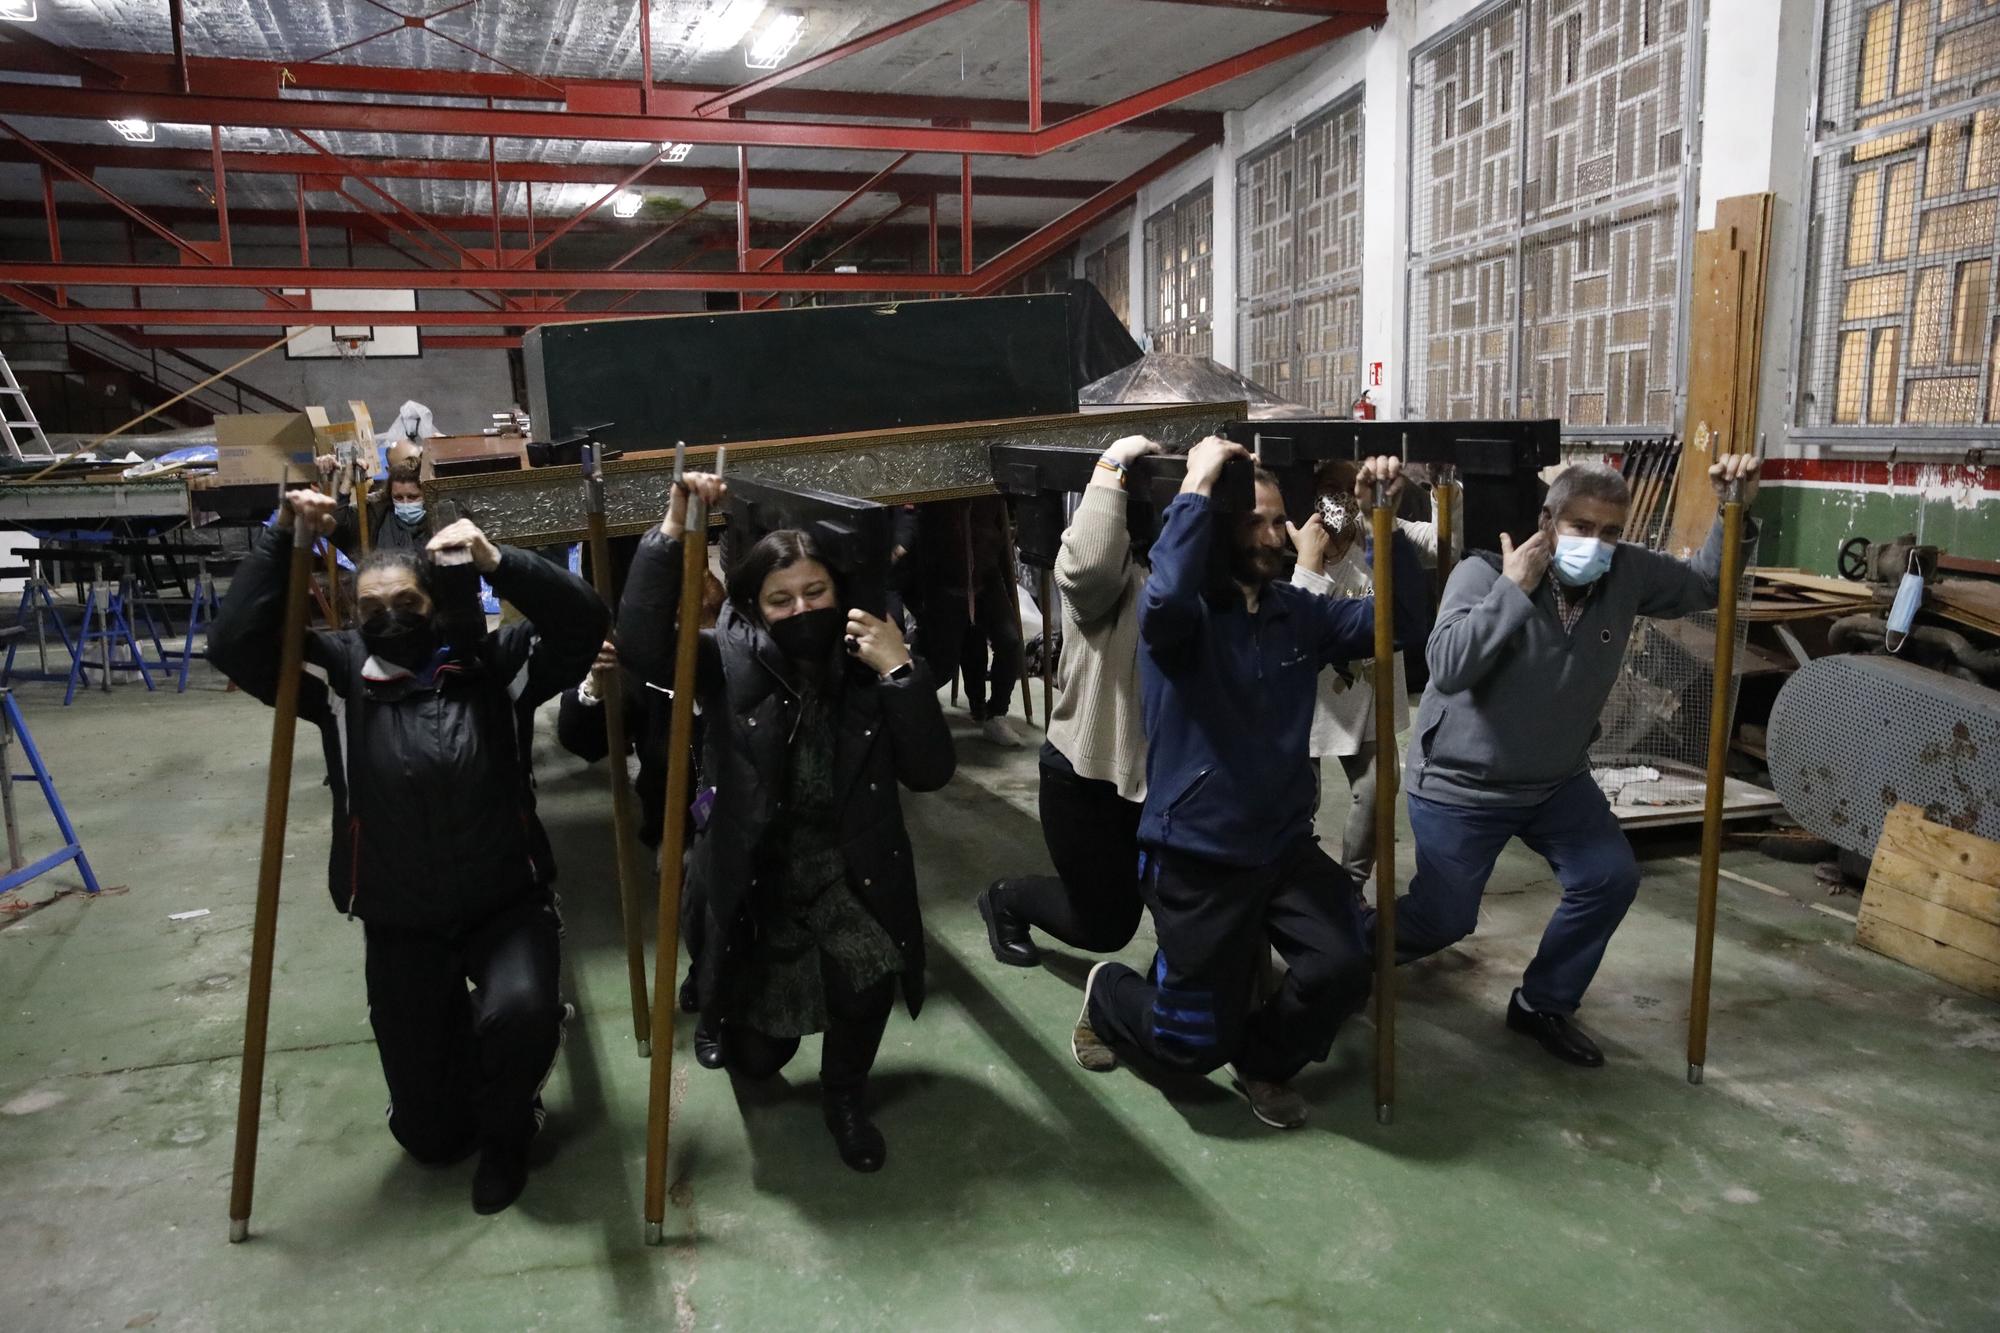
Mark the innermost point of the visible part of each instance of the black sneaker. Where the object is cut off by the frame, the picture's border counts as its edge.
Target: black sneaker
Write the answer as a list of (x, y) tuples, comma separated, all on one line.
[(1558, 1036), (501, 1176), (1006, 933)]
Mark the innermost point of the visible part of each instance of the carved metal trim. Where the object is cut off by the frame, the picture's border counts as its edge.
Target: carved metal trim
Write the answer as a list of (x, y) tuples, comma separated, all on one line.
[(544, 506)]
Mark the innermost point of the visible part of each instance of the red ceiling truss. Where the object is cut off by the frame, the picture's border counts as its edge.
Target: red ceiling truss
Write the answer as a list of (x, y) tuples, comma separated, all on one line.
[(499, 258)]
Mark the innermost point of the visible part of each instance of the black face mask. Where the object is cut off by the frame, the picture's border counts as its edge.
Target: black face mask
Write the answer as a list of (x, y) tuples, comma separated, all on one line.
[(407, 639), (809, 637)]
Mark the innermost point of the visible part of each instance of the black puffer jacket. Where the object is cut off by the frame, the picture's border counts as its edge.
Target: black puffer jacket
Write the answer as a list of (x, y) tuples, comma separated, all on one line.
[(434, 822), (886, 733)]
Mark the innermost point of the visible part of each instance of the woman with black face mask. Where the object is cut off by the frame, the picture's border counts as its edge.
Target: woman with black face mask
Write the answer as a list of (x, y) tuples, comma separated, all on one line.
[(436, 847), (814, 715)]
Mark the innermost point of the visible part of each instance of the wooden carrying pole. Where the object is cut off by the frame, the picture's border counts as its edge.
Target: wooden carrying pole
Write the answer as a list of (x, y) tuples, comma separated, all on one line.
[(1014, 605), (666, 948), (361, 497), (1718, 752), (616, 736), (1444, 494), (1385, 810), (270, 870)]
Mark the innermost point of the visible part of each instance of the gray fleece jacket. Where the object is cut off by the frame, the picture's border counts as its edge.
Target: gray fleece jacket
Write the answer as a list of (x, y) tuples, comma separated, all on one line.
[(1513, 701)]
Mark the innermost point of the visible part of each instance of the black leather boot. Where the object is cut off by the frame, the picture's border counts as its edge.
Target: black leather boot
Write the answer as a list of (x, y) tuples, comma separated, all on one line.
[(708, 1052), (1006, 933), (860, 1144)]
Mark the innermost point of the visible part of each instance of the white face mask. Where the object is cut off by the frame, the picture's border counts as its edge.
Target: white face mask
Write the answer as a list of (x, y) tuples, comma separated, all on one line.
[(1580, 561)]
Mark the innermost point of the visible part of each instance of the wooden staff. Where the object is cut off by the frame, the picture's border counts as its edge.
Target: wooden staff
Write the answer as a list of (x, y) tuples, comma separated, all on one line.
[(1444, 493), (680, 740), (616, 735), (1014, 604), (1665, 509), (1718, 754), (1385, 809), (361, 485), (270, 869), (334, 618)]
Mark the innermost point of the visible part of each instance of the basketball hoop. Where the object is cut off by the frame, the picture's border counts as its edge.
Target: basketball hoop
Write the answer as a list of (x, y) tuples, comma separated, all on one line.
[(351, 349)]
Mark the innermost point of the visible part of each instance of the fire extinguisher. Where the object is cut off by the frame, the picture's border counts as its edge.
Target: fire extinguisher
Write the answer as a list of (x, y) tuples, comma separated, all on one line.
[(1364, 407)]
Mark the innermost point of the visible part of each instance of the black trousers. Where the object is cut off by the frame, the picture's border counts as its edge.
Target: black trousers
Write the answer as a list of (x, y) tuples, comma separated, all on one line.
[(848, 1050), (464, 1068), (1196, 1011), (1092, 902), (943, 631)]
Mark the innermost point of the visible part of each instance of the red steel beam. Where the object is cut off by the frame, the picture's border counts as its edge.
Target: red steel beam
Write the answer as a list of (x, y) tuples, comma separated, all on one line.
[(528, 256), (137, 71), (55, 227), (649, 242), (645, 57), (1031, 250), (221, 191), (125, 157), (423, 279), (401, 209), (862, 235), (1372, 10), (965, 215), (777, 258), (715, 106), (1035, 65)]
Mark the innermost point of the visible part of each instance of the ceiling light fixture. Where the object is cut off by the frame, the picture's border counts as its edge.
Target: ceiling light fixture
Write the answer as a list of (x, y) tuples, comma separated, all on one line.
[(626, 204), (726, 23), (133, 130), (777, 39), (17, 11), (676, 152)]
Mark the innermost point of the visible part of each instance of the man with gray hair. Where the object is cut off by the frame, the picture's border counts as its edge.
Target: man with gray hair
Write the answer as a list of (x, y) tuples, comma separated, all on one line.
[(1521, 664)]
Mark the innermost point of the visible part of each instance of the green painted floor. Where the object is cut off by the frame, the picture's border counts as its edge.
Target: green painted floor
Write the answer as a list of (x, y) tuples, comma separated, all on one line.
[(1840, 1169)]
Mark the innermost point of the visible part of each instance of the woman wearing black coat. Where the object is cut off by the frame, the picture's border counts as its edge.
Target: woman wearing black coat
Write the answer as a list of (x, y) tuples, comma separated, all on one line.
[(436, 846), (815, 715)]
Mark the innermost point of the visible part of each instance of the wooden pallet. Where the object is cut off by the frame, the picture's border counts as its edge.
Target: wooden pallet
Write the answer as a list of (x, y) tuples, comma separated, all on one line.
[(1933, 901)]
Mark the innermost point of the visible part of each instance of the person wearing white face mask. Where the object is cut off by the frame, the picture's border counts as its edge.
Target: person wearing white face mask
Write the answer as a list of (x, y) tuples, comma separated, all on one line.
[(1527, 646)]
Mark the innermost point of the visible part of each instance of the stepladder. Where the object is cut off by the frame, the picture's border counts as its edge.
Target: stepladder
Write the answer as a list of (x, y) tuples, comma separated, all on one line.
[(19, 431)]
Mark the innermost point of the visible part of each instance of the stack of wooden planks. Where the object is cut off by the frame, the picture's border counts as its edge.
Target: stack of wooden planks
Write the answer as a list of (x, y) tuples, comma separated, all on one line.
[(1933, 901), (1974, 603), (1793, 594)]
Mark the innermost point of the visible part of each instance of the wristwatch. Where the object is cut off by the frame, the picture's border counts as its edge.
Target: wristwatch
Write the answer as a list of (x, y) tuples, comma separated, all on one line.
[(903, 672)]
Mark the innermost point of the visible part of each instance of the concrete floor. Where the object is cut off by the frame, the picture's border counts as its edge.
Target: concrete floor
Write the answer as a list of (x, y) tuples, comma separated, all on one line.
[(1839, 1169)]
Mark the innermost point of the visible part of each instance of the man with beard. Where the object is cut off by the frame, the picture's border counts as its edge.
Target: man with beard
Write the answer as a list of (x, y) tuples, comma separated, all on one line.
[(1229, 865)]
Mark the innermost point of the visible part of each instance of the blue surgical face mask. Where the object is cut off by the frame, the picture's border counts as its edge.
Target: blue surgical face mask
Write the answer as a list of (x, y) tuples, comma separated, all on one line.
[(1903, 611), (410, 511), (1581, 560)]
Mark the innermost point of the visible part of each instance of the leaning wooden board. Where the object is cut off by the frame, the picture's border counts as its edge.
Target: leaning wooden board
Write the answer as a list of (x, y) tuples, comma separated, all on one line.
[(1933, 901), (1715, 321)]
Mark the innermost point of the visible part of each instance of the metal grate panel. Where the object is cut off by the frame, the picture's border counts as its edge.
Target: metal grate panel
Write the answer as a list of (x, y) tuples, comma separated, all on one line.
[(1549, 158), (1179, 274), (1110, 271), (1299, 259), (1852, 736), (1901, 319)]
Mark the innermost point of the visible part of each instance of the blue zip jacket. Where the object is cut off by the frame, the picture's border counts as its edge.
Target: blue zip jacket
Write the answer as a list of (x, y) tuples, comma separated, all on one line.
[(1229, 696)]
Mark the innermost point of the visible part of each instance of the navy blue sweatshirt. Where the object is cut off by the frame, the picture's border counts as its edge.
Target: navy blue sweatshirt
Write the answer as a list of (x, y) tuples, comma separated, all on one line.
[(1229, 696)]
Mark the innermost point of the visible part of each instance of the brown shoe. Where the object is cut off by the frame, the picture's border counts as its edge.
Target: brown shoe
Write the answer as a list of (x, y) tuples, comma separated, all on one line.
[(1276, 1104), (1085, 1045)]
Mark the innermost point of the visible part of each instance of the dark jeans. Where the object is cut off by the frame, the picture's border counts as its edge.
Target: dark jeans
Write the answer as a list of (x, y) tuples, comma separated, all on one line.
[(944, 629), (1574, 830), (847, 1052), (1196, 1010), (464, 1068), (1093, 838)]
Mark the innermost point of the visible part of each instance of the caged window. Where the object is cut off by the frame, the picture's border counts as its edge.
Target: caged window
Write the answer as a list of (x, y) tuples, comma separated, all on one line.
[(1547, 232), (1299, 260), (1178, 274), (1900, 311)]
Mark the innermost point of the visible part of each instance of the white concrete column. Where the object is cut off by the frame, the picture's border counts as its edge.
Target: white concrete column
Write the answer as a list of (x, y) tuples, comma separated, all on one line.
[(1222, 278), (1385, 208)]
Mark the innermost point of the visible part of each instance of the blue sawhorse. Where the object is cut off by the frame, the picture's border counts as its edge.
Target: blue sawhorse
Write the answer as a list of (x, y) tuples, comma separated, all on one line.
[(39, 604), (14, 727), (107, 603), (205, 607)]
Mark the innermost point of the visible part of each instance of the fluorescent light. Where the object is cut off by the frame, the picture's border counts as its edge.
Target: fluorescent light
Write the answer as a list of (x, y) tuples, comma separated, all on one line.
[(773, 44), (726, 23), (17, 11), (626, 204), (137, 131), (676, 152)]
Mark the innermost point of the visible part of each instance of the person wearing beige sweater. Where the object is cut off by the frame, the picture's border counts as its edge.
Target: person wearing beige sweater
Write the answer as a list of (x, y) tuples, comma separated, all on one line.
[(1093, 766)]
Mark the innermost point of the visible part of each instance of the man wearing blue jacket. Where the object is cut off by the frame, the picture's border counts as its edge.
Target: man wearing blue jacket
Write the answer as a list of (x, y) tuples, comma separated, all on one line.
[(1527, 647), (1229, 865)]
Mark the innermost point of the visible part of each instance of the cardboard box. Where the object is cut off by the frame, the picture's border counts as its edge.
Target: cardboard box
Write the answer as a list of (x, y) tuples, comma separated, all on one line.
[(265, 448), (450, 455)]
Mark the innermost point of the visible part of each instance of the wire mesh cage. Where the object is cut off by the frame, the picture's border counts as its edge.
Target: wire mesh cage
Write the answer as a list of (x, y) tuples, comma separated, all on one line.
[(1549, 161), (1109, 269), (1901, 320), (1178, 274), (1298, 218)]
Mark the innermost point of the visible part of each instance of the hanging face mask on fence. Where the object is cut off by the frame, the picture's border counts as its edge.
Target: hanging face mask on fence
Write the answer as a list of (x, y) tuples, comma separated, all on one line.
[(1903, 611), (809, 636), (406, 639), (1581, 561)]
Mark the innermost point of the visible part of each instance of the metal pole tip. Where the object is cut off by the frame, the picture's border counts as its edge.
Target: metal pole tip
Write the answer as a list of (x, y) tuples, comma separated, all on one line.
[(645, 1049), (1694, 1074), (655, 1234), (239, 1230), (1385, 1114)]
